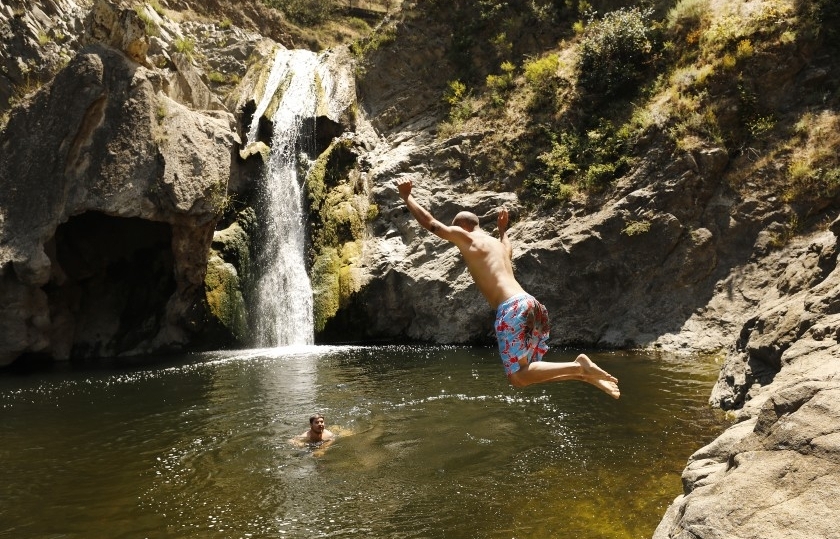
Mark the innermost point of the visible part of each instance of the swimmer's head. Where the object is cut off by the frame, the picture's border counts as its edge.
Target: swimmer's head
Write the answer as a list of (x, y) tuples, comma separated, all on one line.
[(466, 220)]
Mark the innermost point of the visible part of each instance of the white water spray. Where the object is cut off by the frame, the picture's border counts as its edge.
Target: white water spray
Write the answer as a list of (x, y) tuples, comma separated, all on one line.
[(284, 293)]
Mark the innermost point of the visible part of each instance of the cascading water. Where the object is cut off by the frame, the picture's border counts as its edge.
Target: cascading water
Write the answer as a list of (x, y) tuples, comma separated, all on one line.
[(284, 294)]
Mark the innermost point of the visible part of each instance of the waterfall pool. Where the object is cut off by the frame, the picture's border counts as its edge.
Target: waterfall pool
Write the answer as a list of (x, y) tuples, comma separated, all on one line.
[(433, 443)]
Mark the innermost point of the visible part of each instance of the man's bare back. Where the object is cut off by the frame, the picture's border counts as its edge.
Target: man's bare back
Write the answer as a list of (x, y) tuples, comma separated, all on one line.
[(489, 263)]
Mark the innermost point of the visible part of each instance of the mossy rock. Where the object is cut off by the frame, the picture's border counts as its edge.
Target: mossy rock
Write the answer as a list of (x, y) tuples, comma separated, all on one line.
[(233, 246), (224, 296), (326, 291), (335, 278)]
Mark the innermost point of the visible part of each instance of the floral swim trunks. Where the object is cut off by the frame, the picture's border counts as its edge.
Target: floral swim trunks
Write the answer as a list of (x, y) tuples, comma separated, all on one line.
[(522, 330)]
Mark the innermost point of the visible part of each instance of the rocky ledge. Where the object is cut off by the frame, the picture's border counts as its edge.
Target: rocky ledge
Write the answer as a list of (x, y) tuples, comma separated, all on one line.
[(774, 474)]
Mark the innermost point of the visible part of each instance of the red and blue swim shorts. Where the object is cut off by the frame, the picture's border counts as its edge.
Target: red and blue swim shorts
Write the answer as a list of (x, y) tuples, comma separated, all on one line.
[(522, 331)]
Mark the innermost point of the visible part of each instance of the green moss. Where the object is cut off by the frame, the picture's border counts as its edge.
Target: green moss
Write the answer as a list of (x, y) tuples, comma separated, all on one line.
[(339, 212), (636, 228), (372, 213), (224, 298), (316, 189), (334, 280), (325, 287)]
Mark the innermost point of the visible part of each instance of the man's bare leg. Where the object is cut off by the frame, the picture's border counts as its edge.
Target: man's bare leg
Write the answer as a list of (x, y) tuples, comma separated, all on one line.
[(582, 368)]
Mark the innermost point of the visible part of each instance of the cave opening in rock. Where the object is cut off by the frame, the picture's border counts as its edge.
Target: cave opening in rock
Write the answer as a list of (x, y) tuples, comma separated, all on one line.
[(112, 278)]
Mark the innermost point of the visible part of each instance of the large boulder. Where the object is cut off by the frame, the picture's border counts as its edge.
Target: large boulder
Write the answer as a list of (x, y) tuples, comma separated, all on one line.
[(781, 460), (120, 191)]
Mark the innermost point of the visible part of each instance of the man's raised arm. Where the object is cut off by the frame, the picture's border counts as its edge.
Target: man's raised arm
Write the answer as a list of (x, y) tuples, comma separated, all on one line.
[(426, 219), (502, 222)]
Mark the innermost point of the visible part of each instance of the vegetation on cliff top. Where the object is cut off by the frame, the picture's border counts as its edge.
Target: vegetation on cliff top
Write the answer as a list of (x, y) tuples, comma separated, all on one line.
[(571, 94), (567, 120), (310, 24)]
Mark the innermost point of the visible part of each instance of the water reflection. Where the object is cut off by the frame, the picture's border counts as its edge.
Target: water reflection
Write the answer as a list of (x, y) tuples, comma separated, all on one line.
[(434, 444)]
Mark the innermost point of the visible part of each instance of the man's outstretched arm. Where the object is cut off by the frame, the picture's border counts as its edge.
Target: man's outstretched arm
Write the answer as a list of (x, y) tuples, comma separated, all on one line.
[(426, 219)]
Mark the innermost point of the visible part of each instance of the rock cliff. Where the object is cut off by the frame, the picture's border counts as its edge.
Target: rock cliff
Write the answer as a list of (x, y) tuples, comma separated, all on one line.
[(114, 176), (674, 259), (127, 225), (774, 473)]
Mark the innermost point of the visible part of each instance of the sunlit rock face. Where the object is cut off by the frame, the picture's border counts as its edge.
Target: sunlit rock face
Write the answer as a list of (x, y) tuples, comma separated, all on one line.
[(781, 460), (119, 191)]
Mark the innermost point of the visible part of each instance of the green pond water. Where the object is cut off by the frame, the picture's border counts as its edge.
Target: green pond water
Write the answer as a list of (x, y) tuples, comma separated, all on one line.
[(433, 444)]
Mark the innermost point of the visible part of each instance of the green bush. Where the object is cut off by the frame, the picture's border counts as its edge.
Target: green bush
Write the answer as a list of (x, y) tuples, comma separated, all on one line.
[(687, 14), (614, 51), (587, 162), (500, 85), (460, 105), (541, 77), (598, 176), (549, 190), (455, 92), (560, 161), (305, 12), (541, 72)]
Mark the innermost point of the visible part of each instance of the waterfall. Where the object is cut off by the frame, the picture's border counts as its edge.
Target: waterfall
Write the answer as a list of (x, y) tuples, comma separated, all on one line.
[(284, 293)]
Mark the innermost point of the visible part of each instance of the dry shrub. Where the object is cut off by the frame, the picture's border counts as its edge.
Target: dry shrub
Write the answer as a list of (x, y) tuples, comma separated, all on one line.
[(813, 170)]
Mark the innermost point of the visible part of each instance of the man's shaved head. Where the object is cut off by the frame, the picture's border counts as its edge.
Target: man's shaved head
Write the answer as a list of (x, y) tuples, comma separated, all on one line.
[(466, 220)]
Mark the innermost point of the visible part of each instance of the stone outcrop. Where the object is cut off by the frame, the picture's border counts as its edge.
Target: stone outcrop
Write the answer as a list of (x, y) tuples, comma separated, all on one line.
[(781, 460), (36, 38), (108, 214)]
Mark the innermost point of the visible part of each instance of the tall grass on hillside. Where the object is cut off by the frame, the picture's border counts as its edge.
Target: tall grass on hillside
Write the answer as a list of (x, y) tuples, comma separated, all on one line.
[(813, 170), (687, 14)]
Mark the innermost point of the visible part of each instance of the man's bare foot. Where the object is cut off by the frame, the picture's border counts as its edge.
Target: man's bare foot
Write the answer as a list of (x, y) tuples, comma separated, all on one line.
[(610, 388), (598, 377)]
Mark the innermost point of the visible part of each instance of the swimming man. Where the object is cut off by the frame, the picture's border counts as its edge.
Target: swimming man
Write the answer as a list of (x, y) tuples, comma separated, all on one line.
[(521, 321), (317, 437)]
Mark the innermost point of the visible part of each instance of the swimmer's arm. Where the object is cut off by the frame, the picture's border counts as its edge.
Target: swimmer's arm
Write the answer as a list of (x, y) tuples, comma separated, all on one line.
[(502, 222), (323, 447), (298, 441)]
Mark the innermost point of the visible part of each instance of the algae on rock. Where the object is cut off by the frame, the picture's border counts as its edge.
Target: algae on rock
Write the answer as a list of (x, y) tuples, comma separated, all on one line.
[(229, 275), (340, 209)]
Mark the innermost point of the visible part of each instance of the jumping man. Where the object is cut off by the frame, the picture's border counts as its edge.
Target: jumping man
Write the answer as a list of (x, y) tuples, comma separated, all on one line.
[(521, 321)]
